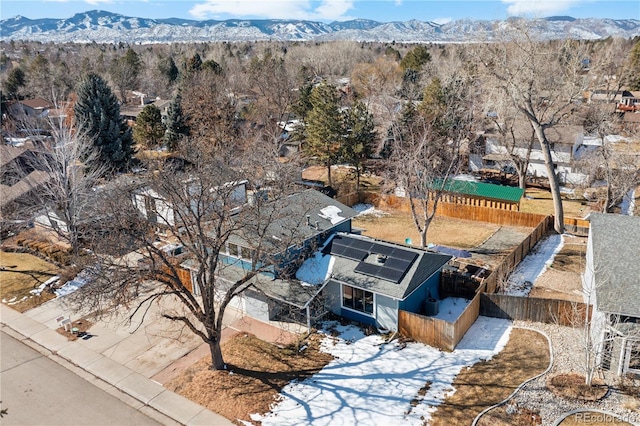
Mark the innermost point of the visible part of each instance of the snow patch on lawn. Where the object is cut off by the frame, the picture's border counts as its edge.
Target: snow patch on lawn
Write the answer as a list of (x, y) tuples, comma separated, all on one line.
[(371, 382), (368, 210), (533, 265), (450, 308)]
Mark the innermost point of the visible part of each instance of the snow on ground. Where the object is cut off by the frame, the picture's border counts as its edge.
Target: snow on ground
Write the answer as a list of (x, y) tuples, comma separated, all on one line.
[(72, 285), (450, 308), (368, 209), (373, 383), (628, 205), (533, 265), (316, 269)]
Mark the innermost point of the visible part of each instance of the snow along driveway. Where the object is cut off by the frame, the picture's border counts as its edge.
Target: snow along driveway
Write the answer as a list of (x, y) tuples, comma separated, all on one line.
[(373, 383)]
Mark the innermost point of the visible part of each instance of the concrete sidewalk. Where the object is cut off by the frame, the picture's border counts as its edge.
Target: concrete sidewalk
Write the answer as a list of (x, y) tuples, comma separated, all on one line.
[(123, 355)]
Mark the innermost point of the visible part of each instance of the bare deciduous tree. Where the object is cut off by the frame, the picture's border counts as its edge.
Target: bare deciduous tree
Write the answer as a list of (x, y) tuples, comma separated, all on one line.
[(427, 144), (544, 81), (205, 211)]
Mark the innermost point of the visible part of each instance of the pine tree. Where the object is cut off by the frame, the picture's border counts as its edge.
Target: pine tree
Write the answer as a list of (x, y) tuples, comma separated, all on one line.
[(97, 114), (149, 129), (323, 127), (176, 127), (360, 136)]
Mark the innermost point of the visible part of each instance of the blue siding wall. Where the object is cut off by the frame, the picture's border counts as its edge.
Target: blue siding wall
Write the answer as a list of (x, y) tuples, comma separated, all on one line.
[(413, 303), (355, 316)]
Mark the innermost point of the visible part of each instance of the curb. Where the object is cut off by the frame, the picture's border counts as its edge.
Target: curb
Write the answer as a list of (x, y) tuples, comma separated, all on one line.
[(483, 412)]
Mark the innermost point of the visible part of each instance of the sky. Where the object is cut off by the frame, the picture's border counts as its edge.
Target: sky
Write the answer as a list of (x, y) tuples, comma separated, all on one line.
[(440, 11)]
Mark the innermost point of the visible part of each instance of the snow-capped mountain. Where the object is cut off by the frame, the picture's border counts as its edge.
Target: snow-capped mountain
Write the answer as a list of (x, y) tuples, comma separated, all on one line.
[(107, 27)]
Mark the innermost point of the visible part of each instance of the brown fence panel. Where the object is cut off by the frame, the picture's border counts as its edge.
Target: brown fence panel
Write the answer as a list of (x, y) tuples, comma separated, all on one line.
[(430, 331), (577, 226), (466, 319), (459, 211), (549, 311)]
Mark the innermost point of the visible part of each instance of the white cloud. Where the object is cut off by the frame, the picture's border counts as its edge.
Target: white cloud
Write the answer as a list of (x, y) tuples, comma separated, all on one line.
[(539, 8), (96, 2), (442, 21), (274, 9)]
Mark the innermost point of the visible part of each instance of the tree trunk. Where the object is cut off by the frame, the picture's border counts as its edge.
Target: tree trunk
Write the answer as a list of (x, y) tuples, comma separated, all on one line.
[(554, 184), (329, 180), (217, 362), (423, 238), (357, 179)]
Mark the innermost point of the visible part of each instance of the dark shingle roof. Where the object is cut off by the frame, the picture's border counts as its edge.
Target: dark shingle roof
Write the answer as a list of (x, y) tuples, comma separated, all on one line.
[(616, 257)]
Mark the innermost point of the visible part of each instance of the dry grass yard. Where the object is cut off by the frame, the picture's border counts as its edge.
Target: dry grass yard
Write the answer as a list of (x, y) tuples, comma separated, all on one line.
[(396, 227), (490, 382), (540, 201), (257, 371), (562, 280), (21, 273)]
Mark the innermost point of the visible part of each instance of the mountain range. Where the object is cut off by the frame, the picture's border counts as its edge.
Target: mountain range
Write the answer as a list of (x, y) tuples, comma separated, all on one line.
[(106, 27)]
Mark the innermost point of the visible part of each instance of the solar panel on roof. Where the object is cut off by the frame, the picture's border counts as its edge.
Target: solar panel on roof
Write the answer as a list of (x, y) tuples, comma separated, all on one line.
[(368, 269), (399, 264), (355, 254), (361, 245), (406, 255), (381, 249), (391, 274)]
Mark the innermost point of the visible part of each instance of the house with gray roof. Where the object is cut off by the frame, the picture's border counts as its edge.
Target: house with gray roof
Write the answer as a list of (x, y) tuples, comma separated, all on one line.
[(611, 283)]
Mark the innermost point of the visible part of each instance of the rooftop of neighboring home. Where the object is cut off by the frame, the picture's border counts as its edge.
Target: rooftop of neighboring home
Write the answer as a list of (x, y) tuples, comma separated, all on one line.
[(36, 103), (616, 246)]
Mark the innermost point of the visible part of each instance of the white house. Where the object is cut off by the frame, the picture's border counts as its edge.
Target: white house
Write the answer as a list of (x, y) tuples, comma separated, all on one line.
[(611, 283)]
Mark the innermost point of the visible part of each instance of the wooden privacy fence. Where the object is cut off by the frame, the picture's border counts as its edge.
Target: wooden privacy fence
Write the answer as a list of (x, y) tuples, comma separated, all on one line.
[(549, 311), (577, 226), (459, 211), (437, 332)]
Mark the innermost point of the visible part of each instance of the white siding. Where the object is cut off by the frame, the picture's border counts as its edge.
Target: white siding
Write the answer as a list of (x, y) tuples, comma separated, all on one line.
[(386, 312)]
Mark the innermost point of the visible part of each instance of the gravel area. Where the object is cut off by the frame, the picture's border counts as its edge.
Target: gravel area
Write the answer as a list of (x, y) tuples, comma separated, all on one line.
[(568, 357)]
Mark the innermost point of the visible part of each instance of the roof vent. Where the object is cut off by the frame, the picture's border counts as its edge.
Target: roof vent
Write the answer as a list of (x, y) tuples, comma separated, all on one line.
[(381, 258)]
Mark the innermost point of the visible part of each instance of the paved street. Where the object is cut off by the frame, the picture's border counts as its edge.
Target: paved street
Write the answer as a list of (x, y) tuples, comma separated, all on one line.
[(38, 391)]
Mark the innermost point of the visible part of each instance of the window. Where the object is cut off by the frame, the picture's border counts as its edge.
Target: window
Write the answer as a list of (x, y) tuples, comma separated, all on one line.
[(357, 299)]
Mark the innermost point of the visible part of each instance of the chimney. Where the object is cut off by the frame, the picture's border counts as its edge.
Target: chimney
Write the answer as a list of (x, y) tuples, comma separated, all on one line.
[(308, 220), (317, 225)]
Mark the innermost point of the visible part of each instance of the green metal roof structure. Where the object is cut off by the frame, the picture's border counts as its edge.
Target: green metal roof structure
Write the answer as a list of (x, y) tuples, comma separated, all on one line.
[(507, 194)]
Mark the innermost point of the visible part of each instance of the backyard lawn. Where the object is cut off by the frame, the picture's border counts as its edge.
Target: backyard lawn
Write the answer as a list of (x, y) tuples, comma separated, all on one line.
[(397, 227)]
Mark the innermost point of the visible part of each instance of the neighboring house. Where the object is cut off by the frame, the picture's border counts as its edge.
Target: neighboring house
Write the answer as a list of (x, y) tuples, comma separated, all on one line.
[(130, 112), (611, 284), (565, 142), (19, 177), (30, 108)]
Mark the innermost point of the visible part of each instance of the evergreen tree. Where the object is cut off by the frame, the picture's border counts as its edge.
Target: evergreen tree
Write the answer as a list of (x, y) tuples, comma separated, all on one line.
[(415, 58), (15, 81), (149, 129), (97, 114), (125, 72), (168, 69), (360, 136), (176, 127), (323, 127)]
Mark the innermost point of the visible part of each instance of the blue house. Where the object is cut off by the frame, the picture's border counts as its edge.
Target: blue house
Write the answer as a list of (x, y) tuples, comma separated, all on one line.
[(370, 280)]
